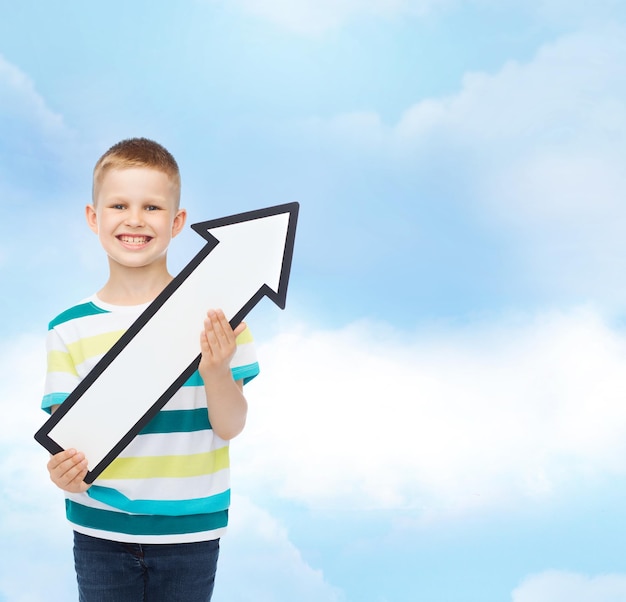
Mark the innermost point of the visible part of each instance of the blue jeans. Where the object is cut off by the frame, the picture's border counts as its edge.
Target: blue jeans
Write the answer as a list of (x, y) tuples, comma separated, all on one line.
[(108, 571)]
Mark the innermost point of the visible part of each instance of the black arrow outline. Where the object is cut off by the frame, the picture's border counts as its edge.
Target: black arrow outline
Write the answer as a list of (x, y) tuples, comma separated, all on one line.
[(279, 297)]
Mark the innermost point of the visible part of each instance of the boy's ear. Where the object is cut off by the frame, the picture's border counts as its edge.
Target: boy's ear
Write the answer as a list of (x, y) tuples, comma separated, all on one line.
[(179, 222), (92, 218)]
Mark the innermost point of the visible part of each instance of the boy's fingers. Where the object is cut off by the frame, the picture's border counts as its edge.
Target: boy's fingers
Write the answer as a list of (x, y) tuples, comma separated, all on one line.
[(205, 344), (77, 480), (75, 474), (226, 327), (218, 340), (64, 462), (68, 470), (58, 459), (209, 332), (217, 326)]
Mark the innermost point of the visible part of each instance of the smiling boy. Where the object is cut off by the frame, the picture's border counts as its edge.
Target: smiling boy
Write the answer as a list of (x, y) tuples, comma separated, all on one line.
[(148, 528)]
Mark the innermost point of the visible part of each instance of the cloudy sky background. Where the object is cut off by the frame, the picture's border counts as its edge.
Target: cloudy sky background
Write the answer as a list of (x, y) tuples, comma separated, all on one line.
[(441, 413)]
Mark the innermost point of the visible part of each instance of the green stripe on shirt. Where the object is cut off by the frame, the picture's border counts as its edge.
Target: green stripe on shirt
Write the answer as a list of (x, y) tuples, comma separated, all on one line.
[(178, 421), (246, 373), (78, 311), (204, 505), (141, 524)]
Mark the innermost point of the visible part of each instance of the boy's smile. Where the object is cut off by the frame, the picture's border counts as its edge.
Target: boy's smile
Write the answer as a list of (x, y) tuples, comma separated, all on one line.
[(135, 216), (134, 241)]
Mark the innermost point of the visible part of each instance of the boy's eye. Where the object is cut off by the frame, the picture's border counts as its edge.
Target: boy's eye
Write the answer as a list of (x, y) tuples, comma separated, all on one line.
[(152, 208), (119, 206)]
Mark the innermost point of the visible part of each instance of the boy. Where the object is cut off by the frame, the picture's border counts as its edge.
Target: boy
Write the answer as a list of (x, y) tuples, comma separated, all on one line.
[(148, 528)]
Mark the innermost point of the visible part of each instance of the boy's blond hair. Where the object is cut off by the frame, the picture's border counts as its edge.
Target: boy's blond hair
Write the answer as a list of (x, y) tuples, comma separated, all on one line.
[(137, 152)]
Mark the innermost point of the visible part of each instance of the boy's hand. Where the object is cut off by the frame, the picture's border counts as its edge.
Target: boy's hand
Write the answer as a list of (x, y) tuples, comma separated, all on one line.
[(67, 470), (225, 400), (217, 343)]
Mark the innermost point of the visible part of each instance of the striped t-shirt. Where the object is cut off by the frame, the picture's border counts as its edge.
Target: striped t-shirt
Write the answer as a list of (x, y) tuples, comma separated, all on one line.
[(171, 484)]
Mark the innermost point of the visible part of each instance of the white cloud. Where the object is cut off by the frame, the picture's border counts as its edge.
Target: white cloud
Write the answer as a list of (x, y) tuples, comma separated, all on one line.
[(557, 586), (566, 12), (36, 143), (492, 414), (438, 421), (537, 152), (32, 522), (445, 420), (35, 533), (40, 163), (258, 546), (27, 120), (316, 16), (547, 141), (19, 98), (571, 92)]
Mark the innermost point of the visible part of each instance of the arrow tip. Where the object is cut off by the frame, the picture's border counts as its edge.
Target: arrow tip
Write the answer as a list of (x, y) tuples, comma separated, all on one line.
[(202, 228), (277, 290)]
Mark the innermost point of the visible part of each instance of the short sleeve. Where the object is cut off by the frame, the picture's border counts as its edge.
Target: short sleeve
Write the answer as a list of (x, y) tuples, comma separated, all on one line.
[(244, 365), (61, 374)]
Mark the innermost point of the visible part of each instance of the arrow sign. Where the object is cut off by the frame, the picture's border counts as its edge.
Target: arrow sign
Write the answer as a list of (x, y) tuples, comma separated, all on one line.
[(247, 256)]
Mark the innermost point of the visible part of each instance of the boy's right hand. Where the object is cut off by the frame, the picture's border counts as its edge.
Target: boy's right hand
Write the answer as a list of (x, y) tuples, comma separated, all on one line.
[(67, 470)]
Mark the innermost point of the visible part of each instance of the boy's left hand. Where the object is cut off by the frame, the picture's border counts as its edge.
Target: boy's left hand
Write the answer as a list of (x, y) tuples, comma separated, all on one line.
[(217, 343)]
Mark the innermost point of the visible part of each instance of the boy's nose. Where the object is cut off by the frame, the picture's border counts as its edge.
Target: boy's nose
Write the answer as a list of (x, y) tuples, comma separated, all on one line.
[(134, 218)]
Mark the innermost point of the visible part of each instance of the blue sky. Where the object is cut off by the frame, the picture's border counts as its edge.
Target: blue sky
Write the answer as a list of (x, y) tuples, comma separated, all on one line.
[(441, 411)]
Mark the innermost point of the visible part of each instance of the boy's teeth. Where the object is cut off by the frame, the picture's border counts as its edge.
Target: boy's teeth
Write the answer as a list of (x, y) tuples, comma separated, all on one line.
[(134, 239)]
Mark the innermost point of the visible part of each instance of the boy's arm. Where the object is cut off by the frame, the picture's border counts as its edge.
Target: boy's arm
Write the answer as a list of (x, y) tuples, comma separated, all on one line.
[(226, 403)]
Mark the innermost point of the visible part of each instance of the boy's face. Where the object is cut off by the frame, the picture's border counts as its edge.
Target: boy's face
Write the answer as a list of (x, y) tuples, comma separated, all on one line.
[(135, 215)]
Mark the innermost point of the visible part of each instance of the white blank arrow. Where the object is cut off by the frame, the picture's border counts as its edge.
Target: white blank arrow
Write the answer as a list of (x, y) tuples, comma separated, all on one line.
[(250, 255)]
